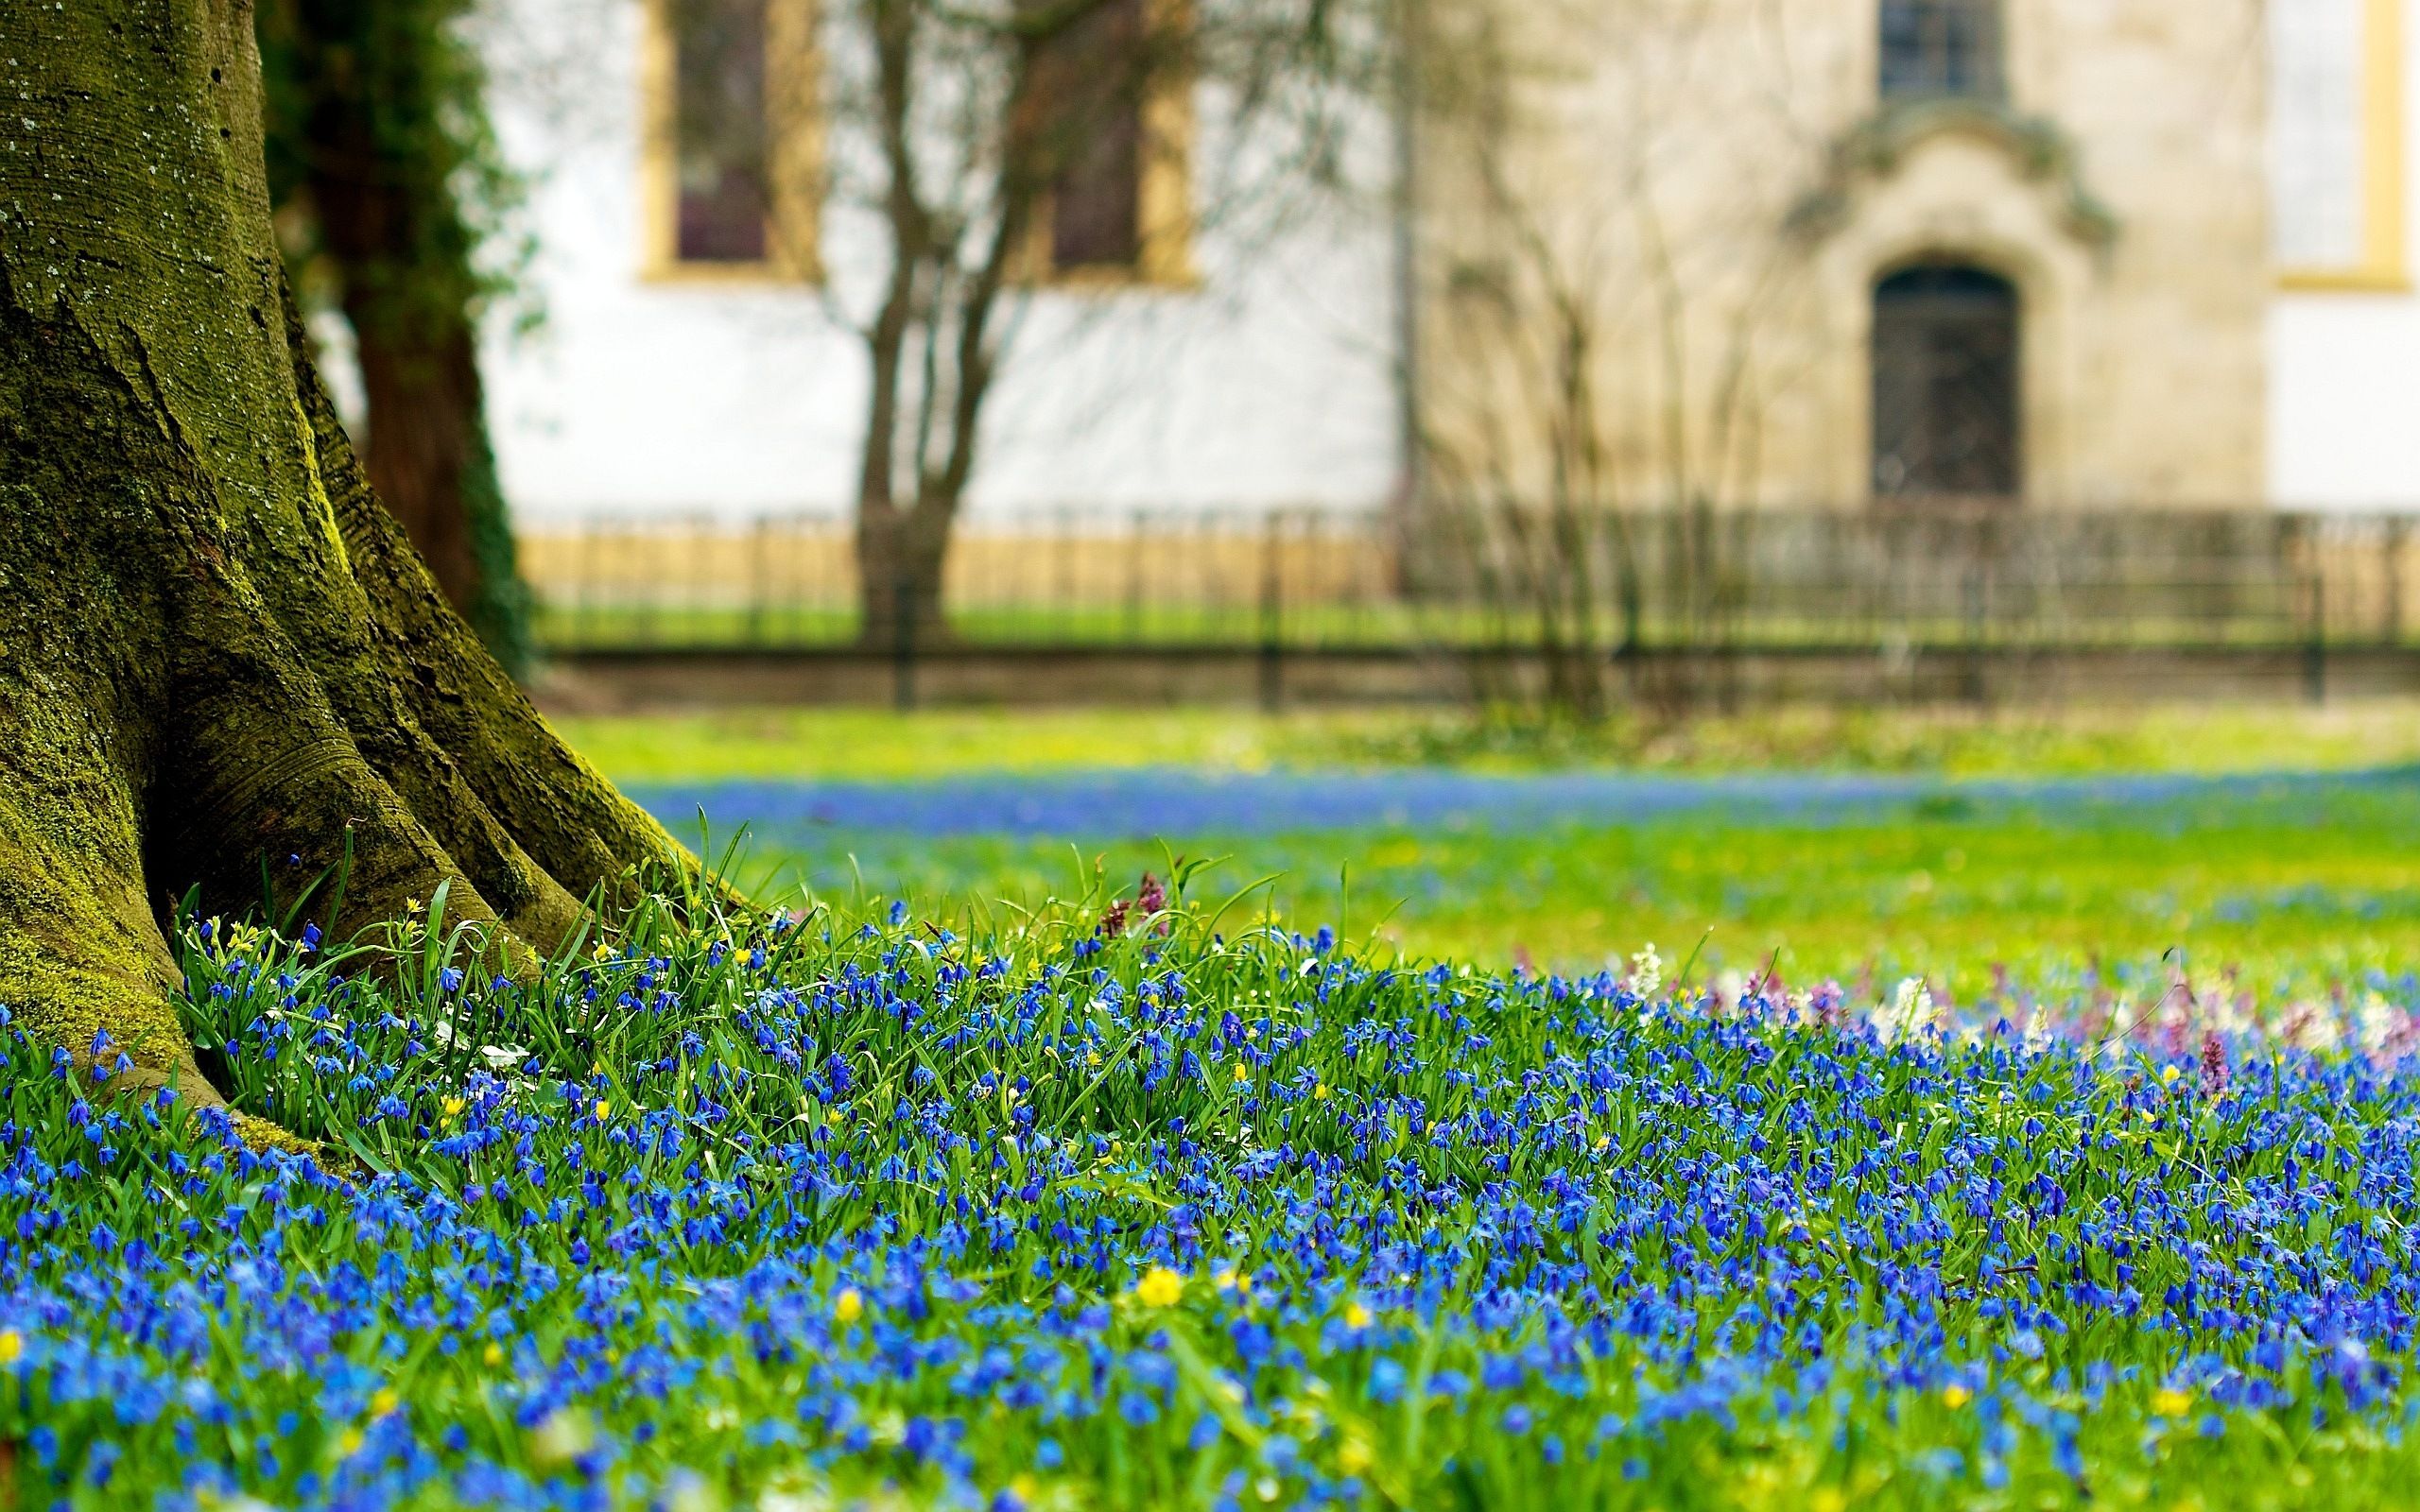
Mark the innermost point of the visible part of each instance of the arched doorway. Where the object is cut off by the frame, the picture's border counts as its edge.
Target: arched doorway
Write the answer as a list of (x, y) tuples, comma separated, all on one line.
[(1947, 385)]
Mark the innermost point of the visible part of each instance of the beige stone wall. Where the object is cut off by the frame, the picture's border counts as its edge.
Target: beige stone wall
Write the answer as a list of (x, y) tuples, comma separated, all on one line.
[(1650, 232)]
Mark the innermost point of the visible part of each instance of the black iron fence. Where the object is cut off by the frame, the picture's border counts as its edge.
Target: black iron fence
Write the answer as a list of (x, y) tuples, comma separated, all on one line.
[(1308, 580)]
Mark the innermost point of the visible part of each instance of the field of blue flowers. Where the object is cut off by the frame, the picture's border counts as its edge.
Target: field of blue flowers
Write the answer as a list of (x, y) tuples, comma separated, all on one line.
[(1146, 1202), (2294, 882)]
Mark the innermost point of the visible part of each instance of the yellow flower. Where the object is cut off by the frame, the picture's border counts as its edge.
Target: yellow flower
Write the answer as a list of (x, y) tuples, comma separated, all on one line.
[(13, 1346), (849, 1306), (602, 952), (2169, 1402), (1356, 1316), (1160, 1287), (604, 1110), (1827, 1499), (1955, 1397), (454, 1107), (1243, 1073), (384, 1400), (494, 1353), (2169, 1074), (1092, 1057), (1353, 1456), (1604, 1142), (349, 1443), (1319, 1093)]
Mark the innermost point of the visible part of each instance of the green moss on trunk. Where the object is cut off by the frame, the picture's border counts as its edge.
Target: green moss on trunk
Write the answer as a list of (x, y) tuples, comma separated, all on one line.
[(220, 649)]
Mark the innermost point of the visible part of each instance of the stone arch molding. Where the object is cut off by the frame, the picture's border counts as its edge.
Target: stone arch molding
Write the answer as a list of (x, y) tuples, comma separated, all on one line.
[(1957, 182)]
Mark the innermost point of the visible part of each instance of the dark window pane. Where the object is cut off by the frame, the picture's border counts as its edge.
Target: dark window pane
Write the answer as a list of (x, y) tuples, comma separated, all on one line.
[(1932, 48), (721, 137), (1946, 391), (1096, 217)]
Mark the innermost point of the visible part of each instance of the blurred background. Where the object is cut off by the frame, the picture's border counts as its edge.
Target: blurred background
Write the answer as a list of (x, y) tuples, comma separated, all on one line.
[(1904, 485)]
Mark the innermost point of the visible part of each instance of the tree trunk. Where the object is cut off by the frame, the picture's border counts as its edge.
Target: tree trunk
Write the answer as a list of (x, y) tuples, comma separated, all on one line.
[(901, 554), (431, 462), (217, 646), (366, 91)]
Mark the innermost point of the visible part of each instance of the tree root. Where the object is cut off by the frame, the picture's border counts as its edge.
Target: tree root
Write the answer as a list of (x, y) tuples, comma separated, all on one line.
[(221, 666)]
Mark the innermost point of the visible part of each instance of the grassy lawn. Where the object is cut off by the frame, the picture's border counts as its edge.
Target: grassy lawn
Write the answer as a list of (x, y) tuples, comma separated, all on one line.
[(869, 1212), (989, 1200), (772, 744), (2304, 881)]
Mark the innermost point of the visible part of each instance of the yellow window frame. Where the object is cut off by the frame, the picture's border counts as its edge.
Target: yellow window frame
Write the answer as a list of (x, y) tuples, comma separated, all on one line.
[(794, 119), (1163, 192), (2384, 266)]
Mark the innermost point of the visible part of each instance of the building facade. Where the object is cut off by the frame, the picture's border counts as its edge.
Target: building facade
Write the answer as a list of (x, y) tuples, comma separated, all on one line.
[(705, 273), (1863, 250), (1779, 253), (2344, 324)]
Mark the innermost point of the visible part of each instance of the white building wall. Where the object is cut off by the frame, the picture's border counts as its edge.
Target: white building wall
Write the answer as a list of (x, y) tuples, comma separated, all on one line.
[(2344, 372), (1269, 384)]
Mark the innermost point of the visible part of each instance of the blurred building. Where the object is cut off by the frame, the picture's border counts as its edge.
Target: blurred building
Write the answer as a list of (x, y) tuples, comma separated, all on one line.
[(2344, 323), (2075, 252), (2079, 252), (1179, 342)]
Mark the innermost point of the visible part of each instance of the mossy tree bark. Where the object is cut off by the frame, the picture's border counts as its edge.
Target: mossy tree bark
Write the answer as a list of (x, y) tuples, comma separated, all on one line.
[(215, 644)]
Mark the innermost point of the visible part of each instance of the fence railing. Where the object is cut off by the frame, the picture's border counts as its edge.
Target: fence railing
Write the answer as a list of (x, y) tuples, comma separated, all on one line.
[(1311, 580)]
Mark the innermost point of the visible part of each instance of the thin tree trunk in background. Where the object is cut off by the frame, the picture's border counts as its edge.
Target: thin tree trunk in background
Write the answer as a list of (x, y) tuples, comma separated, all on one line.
[(364, 90), (902, 555), (421, 409)]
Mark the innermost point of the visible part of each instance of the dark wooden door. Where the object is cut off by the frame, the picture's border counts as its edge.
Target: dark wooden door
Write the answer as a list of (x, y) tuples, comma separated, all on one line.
[(1947, 385)]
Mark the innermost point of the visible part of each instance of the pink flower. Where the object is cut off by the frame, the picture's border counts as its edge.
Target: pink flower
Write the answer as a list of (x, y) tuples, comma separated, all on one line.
[(2214, 1065)]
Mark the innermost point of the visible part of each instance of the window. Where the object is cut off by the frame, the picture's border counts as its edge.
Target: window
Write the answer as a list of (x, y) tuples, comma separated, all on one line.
[(729, 155), (1945, 385), (2336, 143), (1095, 197), (720, 162), (1940, 48), (1113, 147)]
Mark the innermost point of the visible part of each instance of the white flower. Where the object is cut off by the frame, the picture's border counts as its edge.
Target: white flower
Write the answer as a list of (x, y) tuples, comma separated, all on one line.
[(2377, 1023), (1909, 1014), (1645, 972)]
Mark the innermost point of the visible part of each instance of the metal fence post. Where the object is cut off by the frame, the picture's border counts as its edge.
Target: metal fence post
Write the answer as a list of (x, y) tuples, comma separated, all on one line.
[(1975, 678), (902, 665), (760, 591), (1272, 614), (2315, 649), (2391, 627)]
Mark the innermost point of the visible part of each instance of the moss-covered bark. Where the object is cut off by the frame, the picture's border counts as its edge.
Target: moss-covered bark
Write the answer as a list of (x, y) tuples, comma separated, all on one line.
[(215, 647)]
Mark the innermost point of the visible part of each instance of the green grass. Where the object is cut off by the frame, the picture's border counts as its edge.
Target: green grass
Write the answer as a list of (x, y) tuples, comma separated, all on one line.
[(1240, 622), (758, 743), (2307, 890), (856, 1211), (2302, 885)]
